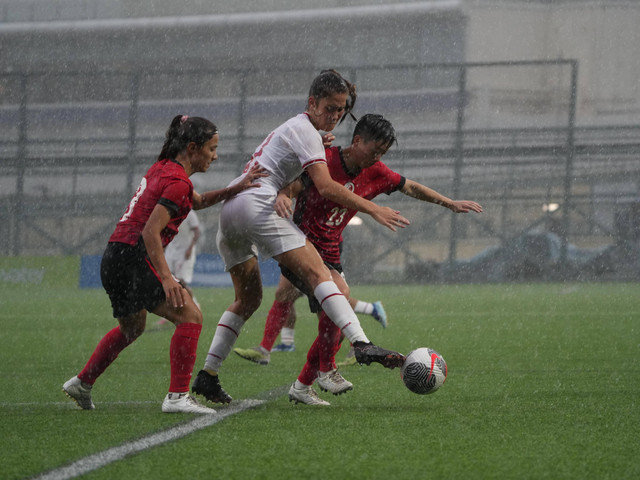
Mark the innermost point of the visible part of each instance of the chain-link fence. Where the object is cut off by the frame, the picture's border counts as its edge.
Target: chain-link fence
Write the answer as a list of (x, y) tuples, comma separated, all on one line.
[(560, 199)]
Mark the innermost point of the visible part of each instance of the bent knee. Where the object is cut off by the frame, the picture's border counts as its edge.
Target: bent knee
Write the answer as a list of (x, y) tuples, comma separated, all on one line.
[(131, 333), (246, 306), (251, 306), (193, 316), (132, 326)]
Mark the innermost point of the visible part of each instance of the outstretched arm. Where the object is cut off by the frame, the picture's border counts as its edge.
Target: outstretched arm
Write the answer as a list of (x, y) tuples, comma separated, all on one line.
[(214, 196), (426, 194), (332, 190)]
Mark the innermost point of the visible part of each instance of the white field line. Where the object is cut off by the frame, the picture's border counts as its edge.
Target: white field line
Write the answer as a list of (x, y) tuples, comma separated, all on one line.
[(101, 459)]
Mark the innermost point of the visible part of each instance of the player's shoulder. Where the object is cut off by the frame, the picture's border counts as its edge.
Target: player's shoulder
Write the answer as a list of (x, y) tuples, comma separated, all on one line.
[(167, 168), (332, 153), (300, 123), (380, 169), (381, 166), (171, 175)]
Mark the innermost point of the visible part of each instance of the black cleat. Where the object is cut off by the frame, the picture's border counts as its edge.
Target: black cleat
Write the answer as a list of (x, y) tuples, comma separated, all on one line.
[(368, 352), (209, 387)]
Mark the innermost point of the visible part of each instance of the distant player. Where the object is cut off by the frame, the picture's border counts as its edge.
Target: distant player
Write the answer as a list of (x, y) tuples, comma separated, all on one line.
[(181, 255), (182, 251)]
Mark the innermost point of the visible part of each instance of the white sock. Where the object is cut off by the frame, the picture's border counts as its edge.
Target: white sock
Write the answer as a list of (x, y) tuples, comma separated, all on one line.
[(286, 335), (337, 307), (299, 385), (363, 307), (225, 337)]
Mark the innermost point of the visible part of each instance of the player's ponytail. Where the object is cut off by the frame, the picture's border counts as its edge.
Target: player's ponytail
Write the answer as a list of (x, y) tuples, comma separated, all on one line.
[(351, 101), (184, 130)]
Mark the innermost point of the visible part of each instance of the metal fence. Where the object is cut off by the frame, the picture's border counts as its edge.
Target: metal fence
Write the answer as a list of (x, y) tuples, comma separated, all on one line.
[(560, 197)]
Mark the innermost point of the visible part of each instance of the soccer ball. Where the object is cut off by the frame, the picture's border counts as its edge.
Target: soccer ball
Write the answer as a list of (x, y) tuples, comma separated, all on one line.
[(424, 371)]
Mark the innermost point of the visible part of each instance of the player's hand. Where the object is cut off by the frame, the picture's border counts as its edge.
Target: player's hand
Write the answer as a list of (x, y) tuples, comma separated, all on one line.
[(464, 206), (390, 218), (283, 206), (327, 139), (254, 173), (176, 294)]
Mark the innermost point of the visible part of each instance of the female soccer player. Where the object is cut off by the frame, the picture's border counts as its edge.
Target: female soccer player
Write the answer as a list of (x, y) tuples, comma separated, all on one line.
[(249, 222), (134, 270), (323, 221), (359, 165)]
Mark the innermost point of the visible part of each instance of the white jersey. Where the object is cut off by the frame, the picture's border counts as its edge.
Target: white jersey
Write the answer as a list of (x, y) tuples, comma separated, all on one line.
[(285, 153), (185, 234), (175, 253)]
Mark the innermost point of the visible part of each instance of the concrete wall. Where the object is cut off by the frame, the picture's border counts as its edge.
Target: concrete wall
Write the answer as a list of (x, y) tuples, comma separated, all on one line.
[(337, 36), (603, 37)]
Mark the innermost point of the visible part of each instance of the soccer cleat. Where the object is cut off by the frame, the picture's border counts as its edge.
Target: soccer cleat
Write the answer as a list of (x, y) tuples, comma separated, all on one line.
[(79, 392), (368, 352), (306, 395), (334, 382), (183, 403), (209, 387), (254, 354), (284, 347), (379, 314)]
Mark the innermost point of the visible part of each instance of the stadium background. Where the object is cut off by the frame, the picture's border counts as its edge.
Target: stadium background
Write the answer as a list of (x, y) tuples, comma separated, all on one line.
[(531, 108)]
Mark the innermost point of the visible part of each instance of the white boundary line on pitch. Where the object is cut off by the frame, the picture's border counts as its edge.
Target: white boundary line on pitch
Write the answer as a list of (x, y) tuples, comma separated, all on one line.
[(101, 459)]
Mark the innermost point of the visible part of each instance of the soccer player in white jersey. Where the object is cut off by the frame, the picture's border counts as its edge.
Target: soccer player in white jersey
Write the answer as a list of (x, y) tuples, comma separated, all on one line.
[(249, 223)]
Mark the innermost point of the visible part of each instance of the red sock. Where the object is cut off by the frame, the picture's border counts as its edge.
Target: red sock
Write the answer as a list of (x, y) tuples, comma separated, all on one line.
[(321, 355), (329, 335), (309, 372), (105, 353), (182, 353), (276, 319)]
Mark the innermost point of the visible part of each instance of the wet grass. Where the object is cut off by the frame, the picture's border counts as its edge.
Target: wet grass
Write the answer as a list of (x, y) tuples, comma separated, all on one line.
[(543, 383)]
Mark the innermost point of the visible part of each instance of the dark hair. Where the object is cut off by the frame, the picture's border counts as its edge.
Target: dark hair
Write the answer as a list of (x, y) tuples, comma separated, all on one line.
[(375, 127), (329, 82), (184, 130)]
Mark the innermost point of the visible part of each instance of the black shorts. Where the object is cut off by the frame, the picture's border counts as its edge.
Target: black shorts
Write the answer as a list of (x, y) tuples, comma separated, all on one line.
[(129, 279), (314, 305)]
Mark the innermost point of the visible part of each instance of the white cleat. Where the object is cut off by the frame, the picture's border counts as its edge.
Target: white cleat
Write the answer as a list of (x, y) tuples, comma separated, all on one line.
[(183, 403), (306, 395), (333, 382), (79, 392)]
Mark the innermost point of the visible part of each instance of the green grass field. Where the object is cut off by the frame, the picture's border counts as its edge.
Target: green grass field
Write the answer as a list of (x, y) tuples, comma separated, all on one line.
[(543, 382)]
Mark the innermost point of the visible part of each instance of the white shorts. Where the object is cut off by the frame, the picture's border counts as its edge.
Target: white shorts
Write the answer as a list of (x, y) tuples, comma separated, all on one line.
[(180, 267), (249, 224)]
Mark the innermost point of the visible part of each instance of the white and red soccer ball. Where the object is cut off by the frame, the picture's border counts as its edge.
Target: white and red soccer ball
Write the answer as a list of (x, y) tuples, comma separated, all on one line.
[(424, 371)]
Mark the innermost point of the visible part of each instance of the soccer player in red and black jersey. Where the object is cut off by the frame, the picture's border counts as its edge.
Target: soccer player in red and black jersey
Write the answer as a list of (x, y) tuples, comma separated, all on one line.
[(357, 167), (134, 271)]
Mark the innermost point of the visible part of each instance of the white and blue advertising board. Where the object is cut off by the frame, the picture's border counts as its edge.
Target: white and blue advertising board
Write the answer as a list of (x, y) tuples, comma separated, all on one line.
[(208, 272)]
